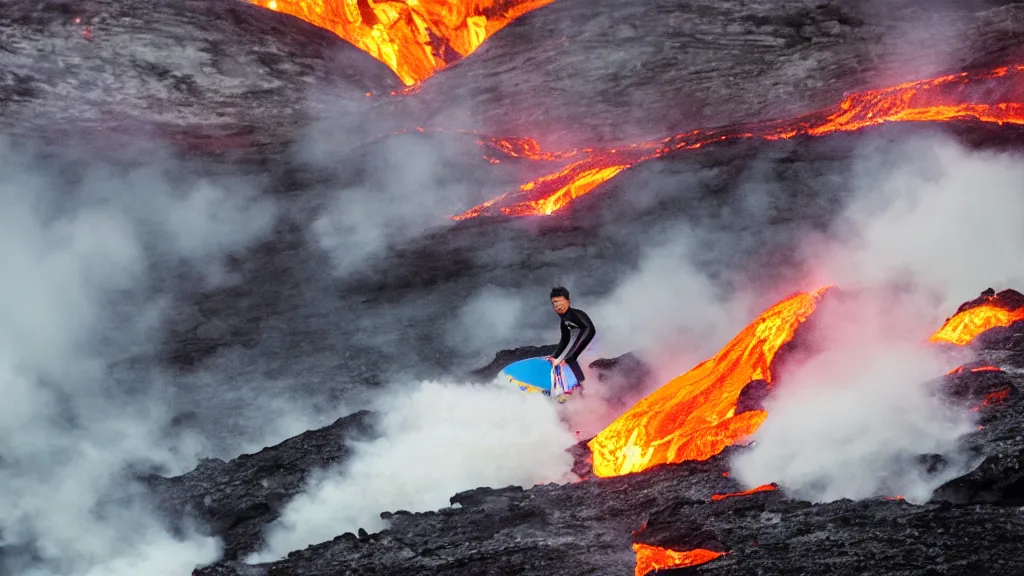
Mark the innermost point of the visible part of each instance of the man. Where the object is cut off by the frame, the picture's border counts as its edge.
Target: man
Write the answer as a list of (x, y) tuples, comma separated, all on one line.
[(577, 332)]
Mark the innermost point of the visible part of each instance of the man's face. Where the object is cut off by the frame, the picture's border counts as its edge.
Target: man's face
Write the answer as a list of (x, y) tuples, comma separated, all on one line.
[(560, 304)]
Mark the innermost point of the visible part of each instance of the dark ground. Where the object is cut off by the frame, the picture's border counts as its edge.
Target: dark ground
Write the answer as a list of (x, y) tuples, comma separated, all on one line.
[(241, 90), (970, 524)]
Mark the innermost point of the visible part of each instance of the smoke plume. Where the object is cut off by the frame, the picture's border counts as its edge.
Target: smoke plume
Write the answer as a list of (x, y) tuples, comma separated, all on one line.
[(929, 221), (932, 216), (852, 421), (438, 439), (406, 185), (83, 244)]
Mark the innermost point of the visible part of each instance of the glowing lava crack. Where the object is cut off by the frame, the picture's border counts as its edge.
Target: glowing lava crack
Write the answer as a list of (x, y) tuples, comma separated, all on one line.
[(991, 96)]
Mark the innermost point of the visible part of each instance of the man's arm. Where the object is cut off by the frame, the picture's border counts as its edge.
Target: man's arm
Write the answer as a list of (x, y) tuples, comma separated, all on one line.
[(587, 332)]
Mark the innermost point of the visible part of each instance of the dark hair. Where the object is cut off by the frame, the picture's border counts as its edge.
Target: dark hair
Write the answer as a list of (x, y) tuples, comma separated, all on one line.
[(559, 291)]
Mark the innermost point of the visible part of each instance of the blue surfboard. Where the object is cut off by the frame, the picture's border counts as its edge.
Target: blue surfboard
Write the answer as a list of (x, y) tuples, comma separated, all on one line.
[(537, 375)]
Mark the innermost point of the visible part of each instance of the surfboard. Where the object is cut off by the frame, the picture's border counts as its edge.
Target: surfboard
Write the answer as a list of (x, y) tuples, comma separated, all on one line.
[(535, 375)]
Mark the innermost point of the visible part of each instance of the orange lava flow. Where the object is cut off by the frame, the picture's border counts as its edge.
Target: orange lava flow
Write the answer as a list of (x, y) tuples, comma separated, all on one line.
[(761, 488), (963, 327), (960, 370), (693, 416), (995, 96), (987, 369), (415, 38), (992, 398), (651, 558)]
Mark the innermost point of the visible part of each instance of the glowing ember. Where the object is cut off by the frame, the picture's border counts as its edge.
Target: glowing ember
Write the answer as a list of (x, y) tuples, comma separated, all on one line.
[(993, 398), (761, 488), (993, 96), (693, 417), (987, 369), (960, 370), (415, 38), (651, 558), (966, 325)]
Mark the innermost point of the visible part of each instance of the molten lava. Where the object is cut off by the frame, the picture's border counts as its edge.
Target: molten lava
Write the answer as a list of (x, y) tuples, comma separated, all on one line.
[(992, 96), (966, 325), (693, 417), (651, 558), (960, 370), (415, 38), (987, 369), (993, 398), (761, 488)]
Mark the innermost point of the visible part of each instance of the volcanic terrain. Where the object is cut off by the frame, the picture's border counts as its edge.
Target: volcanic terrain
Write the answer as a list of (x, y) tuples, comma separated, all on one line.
[(265, 259)]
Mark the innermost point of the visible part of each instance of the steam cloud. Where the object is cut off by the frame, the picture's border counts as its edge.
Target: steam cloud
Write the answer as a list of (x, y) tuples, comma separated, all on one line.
[(933, 216), (852, 421), (81, 245), (929, 221), (666, 307), (410, 185), (438, 439), (490, 320)]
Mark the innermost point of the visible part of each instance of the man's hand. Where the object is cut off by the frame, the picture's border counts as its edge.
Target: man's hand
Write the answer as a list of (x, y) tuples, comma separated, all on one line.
[(554, 361)]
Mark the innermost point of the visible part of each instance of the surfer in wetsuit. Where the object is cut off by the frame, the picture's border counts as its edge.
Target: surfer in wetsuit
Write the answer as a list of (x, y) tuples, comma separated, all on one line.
[(577, 332)]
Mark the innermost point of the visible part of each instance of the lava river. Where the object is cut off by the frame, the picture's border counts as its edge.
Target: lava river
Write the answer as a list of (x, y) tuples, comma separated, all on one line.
[(995, 95), (693, 416)]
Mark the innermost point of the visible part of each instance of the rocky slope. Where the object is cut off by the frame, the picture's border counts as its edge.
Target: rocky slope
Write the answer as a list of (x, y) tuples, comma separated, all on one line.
[(588, 527), (219, 75), (609, 73), (214, 74), (222, 74)]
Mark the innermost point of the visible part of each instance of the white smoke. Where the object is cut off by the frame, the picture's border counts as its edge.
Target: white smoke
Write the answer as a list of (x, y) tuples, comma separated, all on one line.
[(411, 183), (77, 257), (492, 319), (438, 439), (934, 216), (930, 226), (852, 420), (666, 308)]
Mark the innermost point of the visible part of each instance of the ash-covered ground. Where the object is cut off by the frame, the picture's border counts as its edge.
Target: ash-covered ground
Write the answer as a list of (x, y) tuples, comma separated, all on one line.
[(213, 244)]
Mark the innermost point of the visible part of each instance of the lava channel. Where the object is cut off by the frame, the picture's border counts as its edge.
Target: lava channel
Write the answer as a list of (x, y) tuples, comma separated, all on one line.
[(761, 488), (992, 399), (415, 38), (693, 416), (651, 558), (960, 370), (995, 96), (967, 324)]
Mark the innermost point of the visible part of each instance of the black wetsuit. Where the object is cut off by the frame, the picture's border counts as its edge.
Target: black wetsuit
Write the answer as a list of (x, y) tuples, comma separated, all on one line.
[(577, 332)]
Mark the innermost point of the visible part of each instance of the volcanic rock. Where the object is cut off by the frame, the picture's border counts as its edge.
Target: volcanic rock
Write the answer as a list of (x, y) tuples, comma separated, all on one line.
[(223, 74), (505, 357), (997, 446), (589, 526), (218, 74), (1009, 299), (768, 534), (608, 73), (582, 528), (236, 499)]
